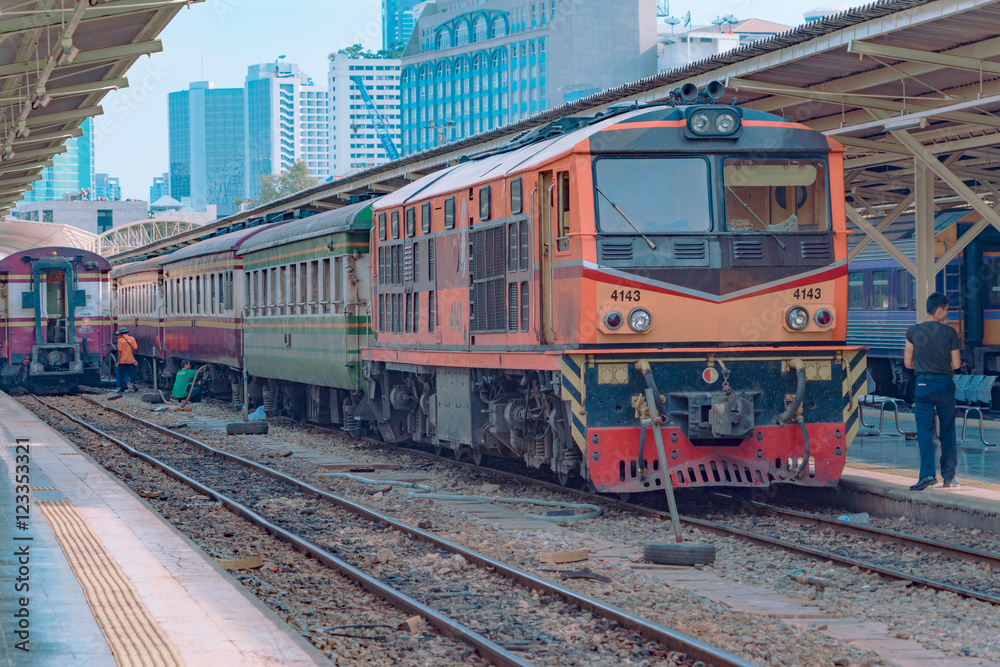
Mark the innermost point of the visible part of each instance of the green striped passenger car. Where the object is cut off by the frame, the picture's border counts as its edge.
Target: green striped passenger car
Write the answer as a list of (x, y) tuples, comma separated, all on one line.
[(305, 317)]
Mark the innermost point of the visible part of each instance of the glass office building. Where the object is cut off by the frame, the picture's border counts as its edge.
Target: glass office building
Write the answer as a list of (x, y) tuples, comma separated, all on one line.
[(71, 173), (207, 145)]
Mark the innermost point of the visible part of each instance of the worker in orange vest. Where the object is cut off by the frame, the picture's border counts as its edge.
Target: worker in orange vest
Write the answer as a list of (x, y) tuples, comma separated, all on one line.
[(126, 359)]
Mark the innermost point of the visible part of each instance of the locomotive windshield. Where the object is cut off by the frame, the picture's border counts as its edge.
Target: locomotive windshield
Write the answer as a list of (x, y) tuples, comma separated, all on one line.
[(776, 195), (652, 195)]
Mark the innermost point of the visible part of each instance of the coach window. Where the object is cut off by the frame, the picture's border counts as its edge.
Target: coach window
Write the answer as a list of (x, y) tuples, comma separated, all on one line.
[(880, 290), (294, 298), (905, 283), (425, 218), (272, 298), (484, 203), (184, 295), (394, 217), (338, 281), (449, 213), (515, 196), (283, 290), (314, 287), (856, 290), (197, 293), (381, 226), (303, 288), (411, 222), (264, 293), (326, 283), (213, 294)]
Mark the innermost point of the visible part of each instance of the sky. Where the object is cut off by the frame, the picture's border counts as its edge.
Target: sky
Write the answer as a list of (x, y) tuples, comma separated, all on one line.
[(218, 39)]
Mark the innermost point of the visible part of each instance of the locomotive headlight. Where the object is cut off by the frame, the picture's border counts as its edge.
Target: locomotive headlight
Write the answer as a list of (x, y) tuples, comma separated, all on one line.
[(640, 320), (613, 320), (700, 122), (823, 317), (797, 318), (725, 123)]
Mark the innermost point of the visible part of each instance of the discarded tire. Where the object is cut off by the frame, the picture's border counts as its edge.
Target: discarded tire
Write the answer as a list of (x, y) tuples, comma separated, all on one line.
[(679, 553), (246, 428), (152, 397)]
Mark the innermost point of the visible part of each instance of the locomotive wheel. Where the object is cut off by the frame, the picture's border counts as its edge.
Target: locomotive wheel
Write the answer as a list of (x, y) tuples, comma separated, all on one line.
[(246, 428), (480, 457), (151, 397), (625, 496), (438, 450), (679, 553), (563, 478), (460, 452)]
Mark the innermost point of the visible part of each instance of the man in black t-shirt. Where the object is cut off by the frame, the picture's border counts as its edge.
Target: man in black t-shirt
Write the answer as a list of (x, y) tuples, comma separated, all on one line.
[(932, 351)]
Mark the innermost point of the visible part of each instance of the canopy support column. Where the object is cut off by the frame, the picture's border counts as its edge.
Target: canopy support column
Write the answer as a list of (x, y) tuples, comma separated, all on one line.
[(924, 234)]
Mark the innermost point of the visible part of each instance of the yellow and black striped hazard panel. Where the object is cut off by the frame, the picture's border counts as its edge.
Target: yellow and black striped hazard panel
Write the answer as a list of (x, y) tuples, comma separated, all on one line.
[(855, 387), (575, 391)]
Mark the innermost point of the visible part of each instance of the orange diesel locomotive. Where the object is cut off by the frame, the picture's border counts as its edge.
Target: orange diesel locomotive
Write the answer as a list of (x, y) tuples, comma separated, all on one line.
[(524, 300)]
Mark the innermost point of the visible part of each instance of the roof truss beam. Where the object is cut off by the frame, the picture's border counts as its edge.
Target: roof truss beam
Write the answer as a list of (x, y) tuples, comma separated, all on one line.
[(865, 102), (88, 57), (924, 57)]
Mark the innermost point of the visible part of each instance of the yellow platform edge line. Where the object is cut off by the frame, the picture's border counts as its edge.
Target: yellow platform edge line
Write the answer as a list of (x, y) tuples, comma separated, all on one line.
[(132, 633)]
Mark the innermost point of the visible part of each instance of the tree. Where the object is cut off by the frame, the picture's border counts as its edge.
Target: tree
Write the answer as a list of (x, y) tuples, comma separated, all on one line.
[(357, 51), (286, 183)]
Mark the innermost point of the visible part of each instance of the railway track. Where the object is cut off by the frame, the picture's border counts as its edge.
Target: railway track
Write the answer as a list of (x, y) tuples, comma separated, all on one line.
[(493, 607), (983, 587)]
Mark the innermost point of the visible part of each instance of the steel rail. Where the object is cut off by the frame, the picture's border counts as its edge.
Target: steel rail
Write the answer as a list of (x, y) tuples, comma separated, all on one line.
[(447, 626), (672, 639), (730, 531), (884, 535)]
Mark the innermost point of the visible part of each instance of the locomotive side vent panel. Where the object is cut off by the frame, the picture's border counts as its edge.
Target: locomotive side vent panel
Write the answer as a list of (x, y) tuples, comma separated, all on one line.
[(691, 252), (748, 250), (487, 291), (816, 249), (616, 252)]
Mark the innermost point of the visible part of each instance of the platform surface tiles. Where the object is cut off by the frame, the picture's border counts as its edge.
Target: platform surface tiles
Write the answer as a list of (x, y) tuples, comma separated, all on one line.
[(92, 576)]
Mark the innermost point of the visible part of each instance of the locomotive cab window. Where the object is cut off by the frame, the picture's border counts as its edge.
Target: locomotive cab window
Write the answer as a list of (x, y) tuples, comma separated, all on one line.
[(381, 226), (395, 224), (776, 195), (425, 218), (515, 196), (484, 203), (652, 195), (449, 213), (411, 222)]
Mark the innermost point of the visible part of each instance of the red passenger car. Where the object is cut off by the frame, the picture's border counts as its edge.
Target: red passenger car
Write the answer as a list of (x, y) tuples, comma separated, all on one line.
[(57, 318)]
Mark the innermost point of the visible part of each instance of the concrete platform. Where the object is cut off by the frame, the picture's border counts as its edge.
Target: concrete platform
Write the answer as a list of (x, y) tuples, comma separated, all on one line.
[(92, 576)]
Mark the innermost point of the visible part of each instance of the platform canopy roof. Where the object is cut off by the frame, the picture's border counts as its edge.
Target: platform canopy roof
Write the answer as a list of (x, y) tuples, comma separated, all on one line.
[(910, 87), (58, 59), (18, 235)]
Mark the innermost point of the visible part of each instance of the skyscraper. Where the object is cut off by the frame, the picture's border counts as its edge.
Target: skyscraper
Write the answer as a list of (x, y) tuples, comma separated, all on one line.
[(398, 21), (160, 187), (71, 172), (287, 121), (354, 138), (207, 145), (106, 187)]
